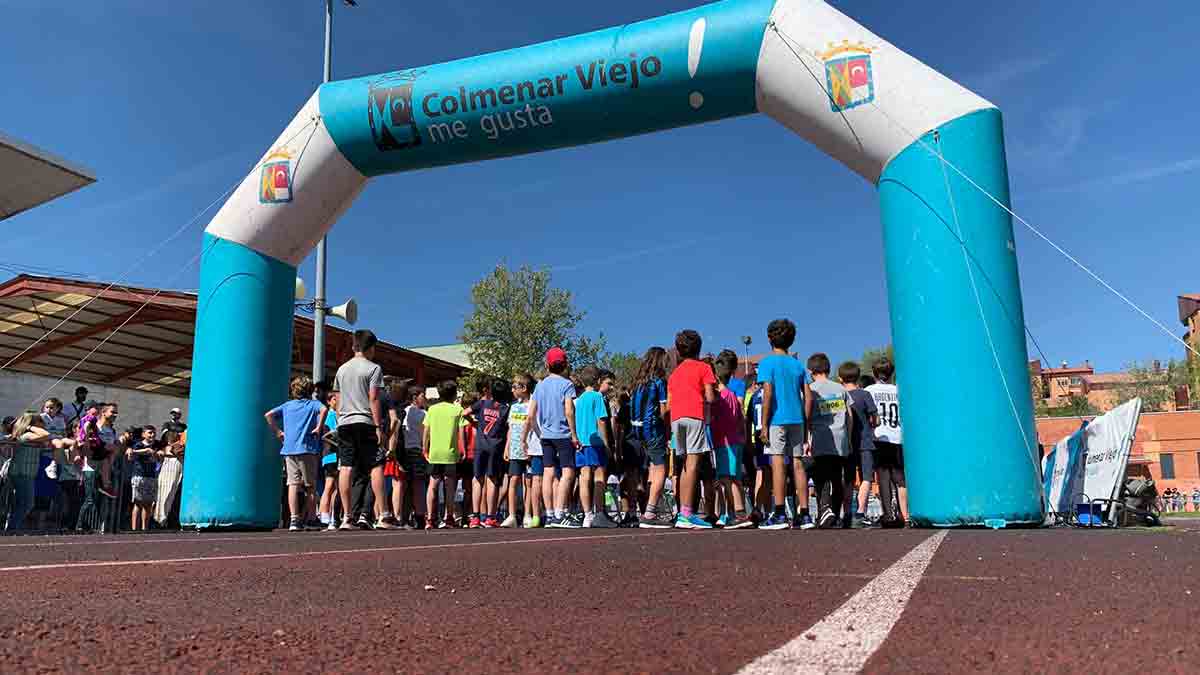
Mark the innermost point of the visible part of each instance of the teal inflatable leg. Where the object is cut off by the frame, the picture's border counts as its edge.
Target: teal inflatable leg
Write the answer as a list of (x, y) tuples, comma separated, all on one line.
[(958, 327), (240, 369)]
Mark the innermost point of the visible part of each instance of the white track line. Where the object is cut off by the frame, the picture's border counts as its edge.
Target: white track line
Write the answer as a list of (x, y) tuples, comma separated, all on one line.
[(844, 640), (305, 554)]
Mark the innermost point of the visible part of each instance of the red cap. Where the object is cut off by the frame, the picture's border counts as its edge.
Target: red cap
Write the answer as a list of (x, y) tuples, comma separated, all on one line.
[(555, 355)]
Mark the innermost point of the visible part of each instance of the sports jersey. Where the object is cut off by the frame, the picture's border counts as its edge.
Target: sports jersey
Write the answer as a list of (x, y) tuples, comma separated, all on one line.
[(887, 399)]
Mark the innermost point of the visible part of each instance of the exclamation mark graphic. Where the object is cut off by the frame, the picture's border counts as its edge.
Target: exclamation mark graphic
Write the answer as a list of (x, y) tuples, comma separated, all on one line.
[(695, 45)]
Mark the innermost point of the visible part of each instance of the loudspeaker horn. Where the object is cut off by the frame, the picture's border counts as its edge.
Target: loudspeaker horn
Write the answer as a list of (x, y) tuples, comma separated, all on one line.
[(347, 311)]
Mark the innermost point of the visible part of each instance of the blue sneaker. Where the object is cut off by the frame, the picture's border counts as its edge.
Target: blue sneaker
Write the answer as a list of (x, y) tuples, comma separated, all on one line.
[(775, 522), (684, 523), (553, 521), (804, 522), (699, 523), (724, 521)]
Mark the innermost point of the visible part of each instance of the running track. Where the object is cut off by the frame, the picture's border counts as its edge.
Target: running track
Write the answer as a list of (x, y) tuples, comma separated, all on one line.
[(604, 600)]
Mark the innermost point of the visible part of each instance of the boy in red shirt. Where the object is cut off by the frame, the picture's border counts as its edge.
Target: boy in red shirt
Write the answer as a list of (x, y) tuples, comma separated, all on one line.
[(691, 390)]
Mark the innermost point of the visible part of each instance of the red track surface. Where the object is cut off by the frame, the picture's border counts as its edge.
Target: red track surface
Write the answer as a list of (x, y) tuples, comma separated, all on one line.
[(585, 601)]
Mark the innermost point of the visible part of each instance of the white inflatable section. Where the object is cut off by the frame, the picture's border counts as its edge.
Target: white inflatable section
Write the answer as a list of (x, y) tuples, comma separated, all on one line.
[(295, 193), (821, 55)]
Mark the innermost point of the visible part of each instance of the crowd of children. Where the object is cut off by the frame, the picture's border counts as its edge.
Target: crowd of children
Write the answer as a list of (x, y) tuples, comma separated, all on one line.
[(539, 452)]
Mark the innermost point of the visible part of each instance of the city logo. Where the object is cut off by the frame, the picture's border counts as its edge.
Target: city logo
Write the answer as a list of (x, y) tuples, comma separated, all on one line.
[(848, 75), (275, 180), (390, 111)]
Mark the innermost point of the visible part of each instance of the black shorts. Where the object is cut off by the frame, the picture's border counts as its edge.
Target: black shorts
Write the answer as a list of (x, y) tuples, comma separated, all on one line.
[(707, 472), (652, 453), (488, 463), (558, 453), (359, 446), (889, 455), (465, 468), (850, 468), (329, 470), (631, 458), (415, 465), (516, 467), (440, 471)]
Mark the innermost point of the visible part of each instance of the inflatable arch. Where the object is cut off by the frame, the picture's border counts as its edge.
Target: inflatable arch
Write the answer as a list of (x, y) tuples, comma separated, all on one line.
[(953, 290)]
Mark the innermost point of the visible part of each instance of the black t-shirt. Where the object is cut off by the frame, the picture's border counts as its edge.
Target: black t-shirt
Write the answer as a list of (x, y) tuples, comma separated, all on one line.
[(863, 406), (491, 424), (143, 464), (172, 426)]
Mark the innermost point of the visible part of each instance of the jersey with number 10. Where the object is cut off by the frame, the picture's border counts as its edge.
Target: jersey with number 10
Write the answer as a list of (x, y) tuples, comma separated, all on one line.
[(888, 402)]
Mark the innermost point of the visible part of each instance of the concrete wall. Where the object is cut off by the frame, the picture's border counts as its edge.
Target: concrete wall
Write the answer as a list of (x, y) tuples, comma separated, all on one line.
[(18, 390)]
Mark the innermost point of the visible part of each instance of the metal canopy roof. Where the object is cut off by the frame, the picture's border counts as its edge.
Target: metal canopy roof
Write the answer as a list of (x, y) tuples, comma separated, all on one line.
[(152, 347), (32, 176)]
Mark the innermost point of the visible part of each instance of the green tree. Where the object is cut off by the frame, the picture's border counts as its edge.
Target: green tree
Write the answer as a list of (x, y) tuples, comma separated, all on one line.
[(1076, 406), (1154, 385), (623, 364), (873, 355), (517, 316)]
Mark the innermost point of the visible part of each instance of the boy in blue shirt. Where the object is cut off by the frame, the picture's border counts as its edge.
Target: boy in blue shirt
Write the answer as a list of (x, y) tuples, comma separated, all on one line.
[(552, 414), (301, 437), (786, 407), (591, 427)]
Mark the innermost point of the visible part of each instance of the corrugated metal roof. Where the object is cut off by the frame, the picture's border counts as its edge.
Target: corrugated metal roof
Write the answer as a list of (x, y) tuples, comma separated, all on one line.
[(151, 348), (33, 176)]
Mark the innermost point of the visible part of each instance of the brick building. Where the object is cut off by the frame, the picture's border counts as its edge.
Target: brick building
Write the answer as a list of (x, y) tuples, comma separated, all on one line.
[(1054, 387)]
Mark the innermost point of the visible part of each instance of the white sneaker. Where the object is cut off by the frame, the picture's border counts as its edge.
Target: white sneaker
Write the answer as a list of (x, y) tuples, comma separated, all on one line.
[(588, 519), (332, 527), (52, 471), (601, 520), (510, 521), (528, 522)]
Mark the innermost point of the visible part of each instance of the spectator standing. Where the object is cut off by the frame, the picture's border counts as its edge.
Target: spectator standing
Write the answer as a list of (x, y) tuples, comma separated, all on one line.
[(360, 428), (443, 427), (301, 449), (174, 424), (691, 390), (414, 461), (169, 476), (75, 410), (143, 455), (31, 439), (553, 415)]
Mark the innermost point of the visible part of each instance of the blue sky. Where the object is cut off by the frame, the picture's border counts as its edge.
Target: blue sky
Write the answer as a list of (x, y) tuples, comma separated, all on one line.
[(171, 103)]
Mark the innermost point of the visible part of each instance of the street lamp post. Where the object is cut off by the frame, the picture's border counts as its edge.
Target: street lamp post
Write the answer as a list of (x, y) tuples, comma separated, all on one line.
[(746, 340), (319, 306)]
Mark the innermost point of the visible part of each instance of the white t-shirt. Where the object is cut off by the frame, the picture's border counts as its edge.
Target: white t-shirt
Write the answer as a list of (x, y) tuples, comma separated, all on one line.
[(414, 426), (888, 401)]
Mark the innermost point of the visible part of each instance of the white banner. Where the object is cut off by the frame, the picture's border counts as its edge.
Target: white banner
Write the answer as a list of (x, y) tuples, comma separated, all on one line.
[(1090, 463)]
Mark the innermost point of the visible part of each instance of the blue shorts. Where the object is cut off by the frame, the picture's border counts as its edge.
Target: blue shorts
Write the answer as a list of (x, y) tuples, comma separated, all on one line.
[(592, 456), (764, 461), (535, 467), (558, 453), (729, 461), (516, 467)]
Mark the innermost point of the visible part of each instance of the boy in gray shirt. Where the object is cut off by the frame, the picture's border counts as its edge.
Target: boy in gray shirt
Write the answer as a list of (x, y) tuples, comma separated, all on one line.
[(831, 424)]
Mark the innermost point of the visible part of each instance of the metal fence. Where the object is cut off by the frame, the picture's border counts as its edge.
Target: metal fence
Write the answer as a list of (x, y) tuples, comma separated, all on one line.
[(46, 514)]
